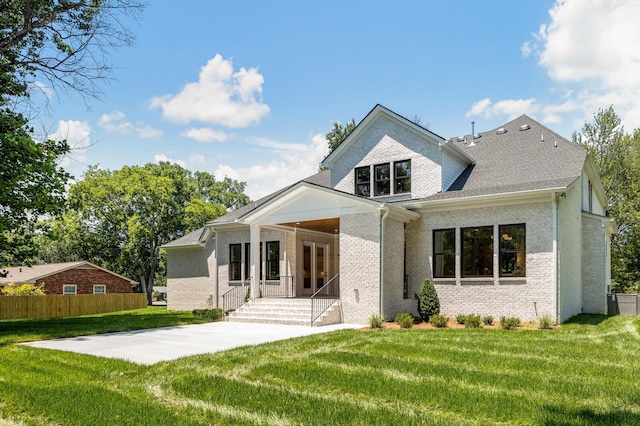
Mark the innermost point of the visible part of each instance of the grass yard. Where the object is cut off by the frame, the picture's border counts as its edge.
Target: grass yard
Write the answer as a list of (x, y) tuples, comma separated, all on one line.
[(585, 372)]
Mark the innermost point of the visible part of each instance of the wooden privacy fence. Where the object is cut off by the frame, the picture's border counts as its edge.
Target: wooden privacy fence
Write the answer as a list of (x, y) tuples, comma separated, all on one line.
[(57, 305)]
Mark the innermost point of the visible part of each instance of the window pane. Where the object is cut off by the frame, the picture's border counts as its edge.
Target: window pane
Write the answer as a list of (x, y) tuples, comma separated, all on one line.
[(247, 261), (273, 260), (513, 253), (403, 176), (444, 253), (477, 251), (235, 262), (382, 175)]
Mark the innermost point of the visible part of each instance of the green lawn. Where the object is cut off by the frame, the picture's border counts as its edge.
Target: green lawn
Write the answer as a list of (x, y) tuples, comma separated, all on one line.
[(587, 372)]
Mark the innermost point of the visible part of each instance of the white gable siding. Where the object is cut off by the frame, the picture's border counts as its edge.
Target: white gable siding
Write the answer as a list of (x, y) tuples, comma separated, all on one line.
[(386, 141), (451, 168)]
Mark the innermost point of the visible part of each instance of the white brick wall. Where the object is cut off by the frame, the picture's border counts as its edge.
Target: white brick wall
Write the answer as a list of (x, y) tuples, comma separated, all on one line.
[(594, 277), (385, 141), (569, 253), (524, 297), (359, 266), (393, 268), (191, 277)]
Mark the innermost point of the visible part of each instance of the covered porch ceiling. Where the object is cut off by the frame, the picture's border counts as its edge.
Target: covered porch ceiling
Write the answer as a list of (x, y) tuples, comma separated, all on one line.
[(328, 226)]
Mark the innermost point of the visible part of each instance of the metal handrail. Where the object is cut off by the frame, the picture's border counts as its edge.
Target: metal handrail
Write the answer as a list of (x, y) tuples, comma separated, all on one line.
[(326, 296), (236, 297), (280, 287)]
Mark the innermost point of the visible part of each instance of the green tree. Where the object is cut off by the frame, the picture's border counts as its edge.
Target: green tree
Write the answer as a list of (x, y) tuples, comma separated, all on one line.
[(616, 156), (13, 289), (428, 301), (339, 133)]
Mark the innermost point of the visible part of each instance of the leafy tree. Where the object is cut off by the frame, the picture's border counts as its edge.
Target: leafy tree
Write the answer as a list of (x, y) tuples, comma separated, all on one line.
[(339, 133), (119, 219), (31, 185), (428, 302), (616, 156), (13, 289)]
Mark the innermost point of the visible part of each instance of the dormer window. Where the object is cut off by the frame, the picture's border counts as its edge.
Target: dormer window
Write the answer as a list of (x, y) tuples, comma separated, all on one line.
[(382, 176), (388, 178), (363, 181)]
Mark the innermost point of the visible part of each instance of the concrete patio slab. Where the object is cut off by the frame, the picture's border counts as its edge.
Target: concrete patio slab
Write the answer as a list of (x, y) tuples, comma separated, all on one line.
[(168, 343)]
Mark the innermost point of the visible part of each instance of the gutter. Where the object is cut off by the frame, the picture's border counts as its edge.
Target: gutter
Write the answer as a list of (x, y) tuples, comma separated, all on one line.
[(383, 220)]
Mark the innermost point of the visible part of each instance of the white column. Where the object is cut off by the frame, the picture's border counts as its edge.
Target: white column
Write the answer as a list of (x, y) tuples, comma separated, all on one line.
[(255, 260)]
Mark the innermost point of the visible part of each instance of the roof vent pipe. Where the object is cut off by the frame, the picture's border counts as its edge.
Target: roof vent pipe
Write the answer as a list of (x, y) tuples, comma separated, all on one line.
[(542, 137), (473, 140)]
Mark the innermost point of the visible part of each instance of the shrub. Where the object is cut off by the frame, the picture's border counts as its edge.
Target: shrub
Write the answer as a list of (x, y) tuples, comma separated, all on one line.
[(428, 302), (212, 314), (473, 321), (13, 289), (488, 320), (546, 322), (438, 320), (509, 323), (461, 318), (404, 320), (375, 321)]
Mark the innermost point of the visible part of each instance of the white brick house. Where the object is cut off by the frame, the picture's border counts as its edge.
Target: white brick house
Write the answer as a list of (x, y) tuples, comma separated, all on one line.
[(506, 222)]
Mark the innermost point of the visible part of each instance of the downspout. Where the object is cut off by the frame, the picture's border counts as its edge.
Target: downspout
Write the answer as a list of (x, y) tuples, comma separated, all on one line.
[(383, 220), (556, 292), (215, 235)]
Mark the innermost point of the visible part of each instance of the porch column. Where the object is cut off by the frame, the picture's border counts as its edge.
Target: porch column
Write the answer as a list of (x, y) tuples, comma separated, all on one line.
[(255, 260)]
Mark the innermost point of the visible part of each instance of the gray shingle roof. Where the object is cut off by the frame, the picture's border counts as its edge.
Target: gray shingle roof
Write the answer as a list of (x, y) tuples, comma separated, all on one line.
[(192, 238), (517, 160)]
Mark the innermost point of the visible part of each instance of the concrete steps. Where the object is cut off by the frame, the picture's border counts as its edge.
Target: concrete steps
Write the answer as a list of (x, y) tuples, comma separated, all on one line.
[(291, 311)]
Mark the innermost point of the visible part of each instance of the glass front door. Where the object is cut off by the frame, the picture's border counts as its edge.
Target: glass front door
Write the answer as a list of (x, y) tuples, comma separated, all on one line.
[(314, 267)]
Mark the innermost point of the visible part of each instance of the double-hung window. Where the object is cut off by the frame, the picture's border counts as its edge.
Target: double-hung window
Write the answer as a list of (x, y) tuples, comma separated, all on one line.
[(235, 262), (363, 181), (402, 176), (513, 250), (444, 253), (273, 260), (69, 289), (99, 289), (477, 251), (382, 179)]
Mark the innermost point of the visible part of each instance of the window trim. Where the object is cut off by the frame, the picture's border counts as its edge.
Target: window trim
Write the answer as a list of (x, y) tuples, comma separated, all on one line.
[(75, 289), (396, 179), (462, 251), (523, 250), (100, 285), (237, 262), (443, 253)]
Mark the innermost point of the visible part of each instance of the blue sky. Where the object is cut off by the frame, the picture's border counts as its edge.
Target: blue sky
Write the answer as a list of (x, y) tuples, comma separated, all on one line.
[(248, 89)]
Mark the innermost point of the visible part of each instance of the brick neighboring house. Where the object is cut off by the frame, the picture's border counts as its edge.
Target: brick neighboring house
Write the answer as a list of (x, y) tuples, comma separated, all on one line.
[(69, 278), (510, 222)]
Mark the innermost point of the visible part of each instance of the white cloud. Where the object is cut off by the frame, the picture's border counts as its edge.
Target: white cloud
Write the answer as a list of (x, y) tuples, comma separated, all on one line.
[(42, 88), (592, 45), (220, 96), (198, 159), (527, 48), (295, 162), (116, 122), (205, 134), (77, 135), (512, 108), (161, 157)]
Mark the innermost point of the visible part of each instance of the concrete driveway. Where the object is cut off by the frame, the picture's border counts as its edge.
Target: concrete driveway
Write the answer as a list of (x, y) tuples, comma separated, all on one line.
[(169, 343)]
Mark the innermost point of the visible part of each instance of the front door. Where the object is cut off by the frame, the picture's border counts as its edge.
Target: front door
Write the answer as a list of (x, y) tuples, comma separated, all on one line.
[(315, 267)]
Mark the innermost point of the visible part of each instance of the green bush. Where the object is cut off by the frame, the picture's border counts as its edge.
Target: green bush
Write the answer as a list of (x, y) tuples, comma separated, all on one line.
[(488, 319), (213, 314), (461, 318), (428, 302), (438, 320), (472, 321), (404, 320), (546, 322), (509, 323), (375, 321)]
